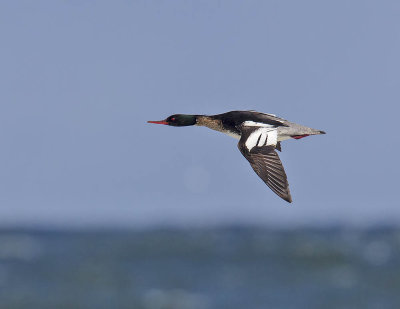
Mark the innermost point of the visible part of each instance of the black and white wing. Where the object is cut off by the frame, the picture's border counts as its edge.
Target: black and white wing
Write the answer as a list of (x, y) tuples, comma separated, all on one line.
[(257, 144)]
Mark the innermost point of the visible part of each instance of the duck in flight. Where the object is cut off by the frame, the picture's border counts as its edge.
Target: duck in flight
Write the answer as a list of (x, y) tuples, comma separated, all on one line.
[(259, 136)]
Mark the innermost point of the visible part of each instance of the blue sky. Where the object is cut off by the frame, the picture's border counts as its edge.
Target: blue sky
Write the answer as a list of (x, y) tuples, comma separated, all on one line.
[(79, 80)]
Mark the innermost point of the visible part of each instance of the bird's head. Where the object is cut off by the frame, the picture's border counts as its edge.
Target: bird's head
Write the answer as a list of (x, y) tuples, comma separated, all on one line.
[(178, 120)]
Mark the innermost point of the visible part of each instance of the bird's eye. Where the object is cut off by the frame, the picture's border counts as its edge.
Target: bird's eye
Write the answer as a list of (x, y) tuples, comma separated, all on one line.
[(173, 119)]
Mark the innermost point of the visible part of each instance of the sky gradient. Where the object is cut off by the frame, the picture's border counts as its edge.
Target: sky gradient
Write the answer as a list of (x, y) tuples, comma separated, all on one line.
[(79, 80)]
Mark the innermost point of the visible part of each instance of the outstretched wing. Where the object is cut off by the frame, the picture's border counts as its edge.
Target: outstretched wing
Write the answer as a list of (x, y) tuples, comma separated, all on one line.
[(257, 144)]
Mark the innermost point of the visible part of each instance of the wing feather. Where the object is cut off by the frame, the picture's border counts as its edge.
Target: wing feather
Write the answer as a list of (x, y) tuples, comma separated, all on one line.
[(266, 163)]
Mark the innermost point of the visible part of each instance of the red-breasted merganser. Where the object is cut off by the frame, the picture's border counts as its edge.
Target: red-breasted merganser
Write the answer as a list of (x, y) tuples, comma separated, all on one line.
[(259, 135)]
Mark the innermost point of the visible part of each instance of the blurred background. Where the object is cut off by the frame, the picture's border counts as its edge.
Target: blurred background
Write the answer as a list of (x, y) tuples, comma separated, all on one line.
[(99, 209)]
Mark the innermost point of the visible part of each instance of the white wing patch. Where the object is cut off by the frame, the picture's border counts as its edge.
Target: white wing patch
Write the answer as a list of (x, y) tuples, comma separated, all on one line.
[(257, 124), (272, 138), (264, 136)]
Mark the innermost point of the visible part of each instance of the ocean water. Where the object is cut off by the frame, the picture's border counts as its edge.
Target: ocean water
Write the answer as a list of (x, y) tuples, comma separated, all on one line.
[(241, 268)]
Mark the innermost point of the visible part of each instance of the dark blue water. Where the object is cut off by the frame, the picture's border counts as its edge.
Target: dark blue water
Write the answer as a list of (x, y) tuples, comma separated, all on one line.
[(200, 269)]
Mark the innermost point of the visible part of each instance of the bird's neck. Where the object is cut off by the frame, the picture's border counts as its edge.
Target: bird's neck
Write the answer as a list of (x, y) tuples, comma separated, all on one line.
[(209, 122)]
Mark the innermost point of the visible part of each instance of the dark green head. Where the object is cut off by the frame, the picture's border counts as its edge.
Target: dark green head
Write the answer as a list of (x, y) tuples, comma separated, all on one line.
[(178, 120)]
